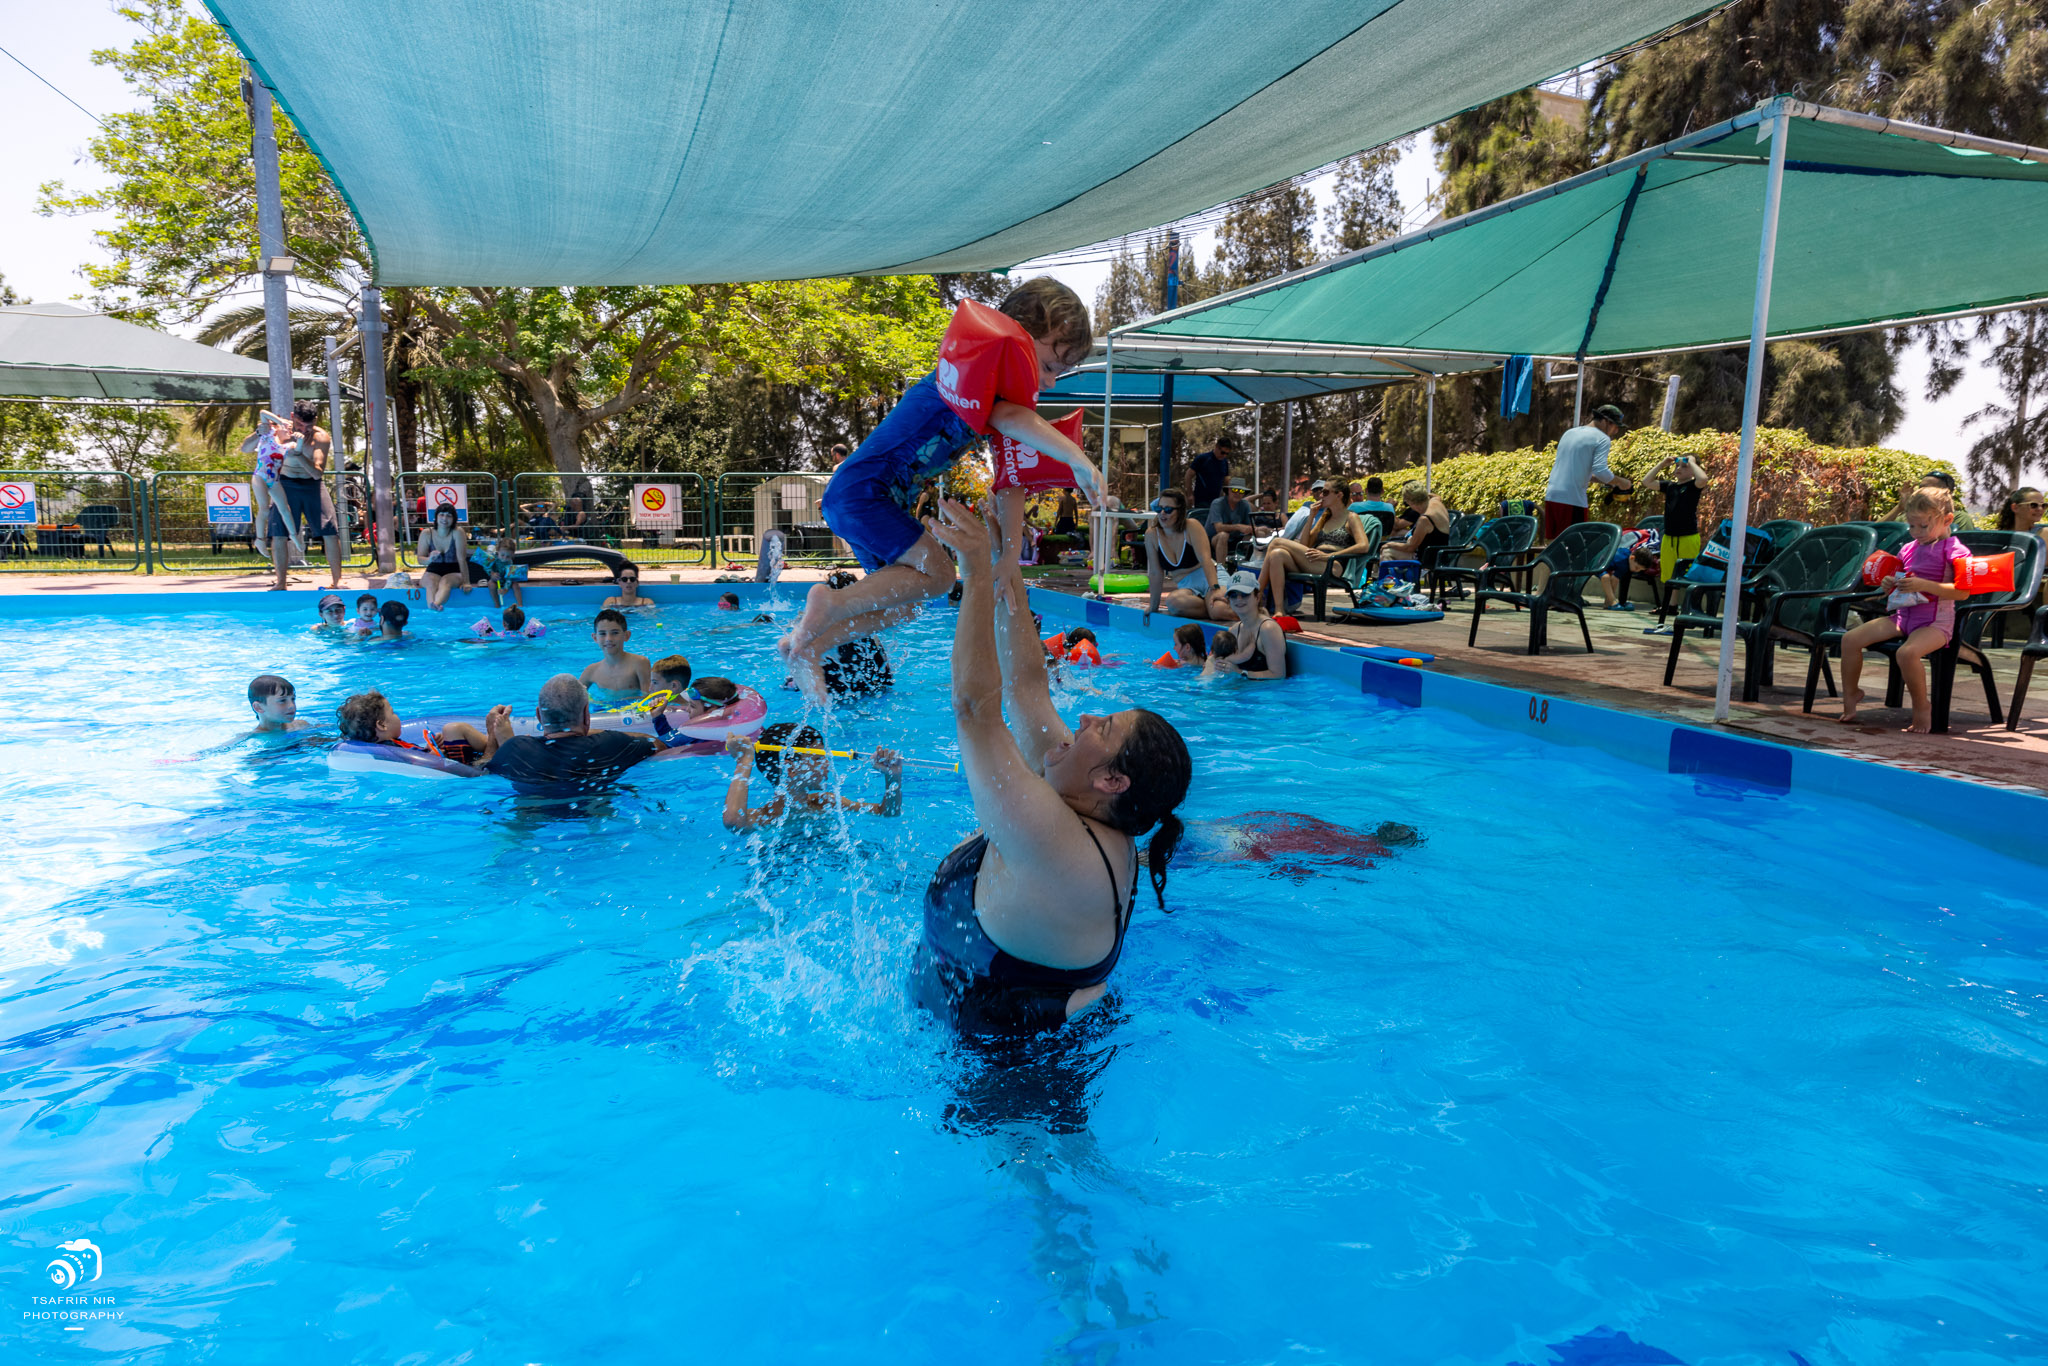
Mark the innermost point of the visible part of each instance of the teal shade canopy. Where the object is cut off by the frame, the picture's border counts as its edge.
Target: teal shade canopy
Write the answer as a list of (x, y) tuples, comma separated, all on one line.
[(1879, 223), (56, 351), (549, 142)]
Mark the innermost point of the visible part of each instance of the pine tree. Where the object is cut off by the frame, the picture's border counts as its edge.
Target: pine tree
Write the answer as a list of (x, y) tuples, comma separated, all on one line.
[(1364, 207), (1266, 234)]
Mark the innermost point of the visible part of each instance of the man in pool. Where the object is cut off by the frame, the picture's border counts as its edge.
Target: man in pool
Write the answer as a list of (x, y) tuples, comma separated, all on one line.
[(628, 595), (567, 758), (620, 670), (276, 704)]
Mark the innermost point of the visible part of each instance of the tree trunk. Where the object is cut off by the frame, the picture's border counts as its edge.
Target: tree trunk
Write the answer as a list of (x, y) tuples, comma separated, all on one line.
[(565, 442)]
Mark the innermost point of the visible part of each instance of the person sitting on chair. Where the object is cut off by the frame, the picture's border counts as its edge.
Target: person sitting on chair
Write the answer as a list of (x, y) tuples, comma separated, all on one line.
[(1429, 525), (1230, 519), (1332, 532)]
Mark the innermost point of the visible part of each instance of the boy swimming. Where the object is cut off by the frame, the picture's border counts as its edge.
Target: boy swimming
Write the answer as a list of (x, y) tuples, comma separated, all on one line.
[(275, 703), (806, 776), (392, 617), (992, 363), (620, 670), (514, 623)]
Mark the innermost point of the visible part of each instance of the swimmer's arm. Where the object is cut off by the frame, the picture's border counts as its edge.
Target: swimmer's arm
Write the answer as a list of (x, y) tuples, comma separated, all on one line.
[(891, 804), (1033, 722), (1023, 424), (1155, 571)]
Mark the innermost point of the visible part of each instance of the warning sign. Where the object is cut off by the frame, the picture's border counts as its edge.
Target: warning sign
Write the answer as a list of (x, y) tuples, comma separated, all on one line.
[(658, 507), (228, 503), (448, 496), (17, 504)]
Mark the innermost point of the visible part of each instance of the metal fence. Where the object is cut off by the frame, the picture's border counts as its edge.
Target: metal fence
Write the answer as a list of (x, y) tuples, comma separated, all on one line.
[(650, 518), (70, 521), (752, 502), (201, 521), (475, 496)]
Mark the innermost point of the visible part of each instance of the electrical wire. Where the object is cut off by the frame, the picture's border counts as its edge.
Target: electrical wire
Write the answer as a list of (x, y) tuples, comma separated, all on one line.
[(47, 81)]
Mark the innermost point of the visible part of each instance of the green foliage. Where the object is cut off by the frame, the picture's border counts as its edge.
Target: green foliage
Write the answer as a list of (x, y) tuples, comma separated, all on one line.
[(128, 439), (1502, 149), (33, 436), (1791, 477), (183, 190)]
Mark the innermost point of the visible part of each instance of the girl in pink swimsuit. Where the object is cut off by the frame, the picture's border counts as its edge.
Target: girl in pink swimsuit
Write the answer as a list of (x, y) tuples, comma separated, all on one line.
[(1923, 602)]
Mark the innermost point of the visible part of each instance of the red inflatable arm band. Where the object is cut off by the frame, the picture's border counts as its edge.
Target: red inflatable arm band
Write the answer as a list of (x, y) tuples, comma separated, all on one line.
[(1166, 661), (1020, 467), (1984, 573), (985, 356), (1878, 566)]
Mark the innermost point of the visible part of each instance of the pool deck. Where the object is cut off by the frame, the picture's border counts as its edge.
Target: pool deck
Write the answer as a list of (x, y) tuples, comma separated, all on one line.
[(1625, 672)]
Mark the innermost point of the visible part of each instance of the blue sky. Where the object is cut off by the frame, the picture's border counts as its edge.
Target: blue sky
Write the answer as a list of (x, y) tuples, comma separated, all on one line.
[(41, 256)]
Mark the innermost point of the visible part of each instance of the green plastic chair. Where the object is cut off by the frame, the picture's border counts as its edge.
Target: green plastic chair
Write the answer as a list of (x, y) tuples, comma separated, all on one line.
[(1786, 602), (1581, 552)]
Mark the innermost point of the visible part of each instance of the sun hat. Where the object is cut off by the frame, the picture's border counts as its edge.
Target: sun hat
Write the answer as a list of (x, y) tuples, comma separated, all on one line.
[(1243, 581), (1237, 484)]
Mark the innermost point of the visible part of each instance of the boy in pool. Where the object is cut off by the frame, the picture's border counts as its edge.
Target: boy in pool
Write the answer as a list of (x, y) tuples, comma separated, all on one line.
[(368, 718), (1190, 649), (620, 671), (276, 704), (393, 616), (807, 776), (364, 622), (514, 622), (992, 363), (670, 673)]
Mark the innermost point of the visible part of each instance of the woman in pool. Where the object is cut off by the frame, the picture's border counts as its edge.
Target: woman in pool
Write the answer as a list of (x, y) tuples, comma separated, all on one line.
[(444, 551), (1024, 922), (1257, 645)]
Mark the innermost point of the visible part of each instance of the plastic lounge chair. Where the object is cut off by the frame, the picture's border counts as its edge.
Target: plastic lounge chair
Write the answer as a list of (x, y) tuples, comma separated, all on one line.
[(1965, 644), (1784, 531), (1464, 526), (1350, 571), (1890, 535), (1579, 553), (96, 522), (1787, 602), (1503, 544), (2035, 648)]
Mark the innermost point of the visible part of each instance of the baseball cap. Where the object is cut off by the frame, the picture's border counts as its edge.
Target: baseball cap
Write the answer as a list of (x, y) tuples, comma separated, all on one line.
[(1609, 413), (1941, 477), (1318, 486), (1243, 581)]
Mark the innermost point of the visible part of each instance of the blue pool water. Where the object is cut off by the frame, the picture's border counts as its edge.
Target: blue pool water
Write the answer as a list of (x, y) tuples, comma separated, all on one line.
[(357, 1070)]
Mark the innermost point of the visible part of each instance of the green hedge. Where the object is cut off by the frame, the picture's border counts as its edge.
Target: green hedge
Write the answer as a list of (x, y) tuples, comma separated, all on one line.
[(1792, 477)]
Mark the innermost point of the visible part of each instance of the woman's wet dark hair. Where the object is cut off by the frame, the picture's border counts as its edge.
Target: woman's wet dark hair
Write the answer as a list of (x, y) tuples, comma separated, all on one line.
[(769, 761), (1156, 761)]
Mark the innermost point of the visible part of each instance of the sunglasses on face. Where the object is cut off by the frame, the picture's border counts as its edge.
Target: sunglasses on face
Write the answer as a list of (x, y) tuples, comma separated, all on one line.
[(2029, 505)]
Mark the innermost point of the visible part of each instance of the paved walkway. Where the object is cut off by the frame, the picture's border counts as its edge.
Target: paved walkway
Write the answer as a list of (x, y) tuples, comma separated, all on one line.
[(1626, 671)]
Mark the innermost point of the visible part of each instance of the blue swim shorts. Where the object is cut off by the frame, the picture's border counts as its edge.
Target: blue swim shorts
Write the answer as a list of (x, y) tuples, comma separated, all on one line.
[(869, 500)]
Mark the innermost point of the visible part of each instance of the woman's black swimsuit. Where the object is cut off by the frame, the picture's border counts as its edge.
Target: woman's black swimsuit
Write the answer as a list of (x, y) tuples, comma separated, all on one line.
[(1189, 560), (966, 979)]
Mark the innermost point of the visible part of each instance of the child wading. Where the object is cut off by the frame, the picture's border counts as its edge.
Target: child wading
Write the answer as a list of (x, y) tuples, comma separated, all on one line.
[(991, 366)]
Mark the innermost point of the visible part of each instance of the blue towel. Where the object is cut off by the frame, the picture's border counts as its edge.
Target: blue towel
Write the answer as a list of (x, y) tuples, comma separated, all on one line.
[(1516, 375)]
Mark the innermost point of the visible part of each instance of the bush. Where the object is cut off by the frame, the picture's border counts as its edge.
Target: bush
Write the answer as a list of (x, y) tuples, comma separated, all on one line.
[(1792, 477)]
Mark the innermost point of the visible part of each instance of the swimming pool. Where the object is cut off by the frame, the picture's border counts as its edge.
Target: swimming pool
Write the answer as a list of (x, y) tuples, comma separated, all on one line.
[(365, 1070)]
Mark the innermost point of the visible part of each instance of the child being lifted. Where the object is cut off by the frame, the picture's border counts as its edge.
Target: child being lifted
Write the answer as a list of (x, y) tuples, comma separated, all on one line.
[(992, 363)]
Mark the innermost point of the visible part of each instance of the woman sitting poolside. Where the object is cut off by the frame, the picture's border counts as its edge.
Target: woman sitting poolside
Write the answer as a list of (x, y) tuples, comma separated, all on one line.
[(1333, 532), (1024, 922), (1429, 526)]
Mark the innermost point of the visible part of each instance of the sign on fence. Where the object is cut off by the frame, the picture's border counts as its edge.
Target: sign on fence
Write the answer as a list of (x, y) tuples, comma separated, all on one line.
[(228, 503), (17, 504), (658, 507), (448, 496)]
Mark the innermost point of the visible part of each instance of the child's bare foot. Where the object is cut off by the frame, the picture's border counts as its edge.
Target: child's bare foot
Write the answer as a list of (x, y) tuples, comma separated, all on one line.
[(1851, 699), (796, 644), (1923, 722)]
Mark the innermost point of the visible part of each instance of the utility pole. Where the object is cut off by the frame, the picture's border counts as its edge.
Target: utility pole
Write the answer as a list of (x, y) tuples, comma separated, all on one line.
[(274, 263)]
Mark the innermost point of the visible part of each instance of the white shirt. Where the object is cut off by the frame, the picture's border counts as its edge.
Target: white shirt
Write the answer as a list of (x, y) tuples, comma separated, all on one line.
[(1299, 520), (1581, 454)]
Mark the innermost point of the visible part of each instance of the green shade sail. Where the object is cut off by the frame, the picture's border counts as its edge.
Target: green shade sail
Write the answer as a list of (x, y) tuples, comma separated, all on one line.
[(1880, 222), (56, 351), (537, 142)]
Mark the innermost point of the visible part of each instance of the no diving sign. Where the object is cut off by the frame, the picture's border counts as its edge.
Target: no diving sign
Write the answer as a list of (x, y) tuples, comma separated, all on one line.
[(17, 504), (228, 503), (448, 496), (658, 507)]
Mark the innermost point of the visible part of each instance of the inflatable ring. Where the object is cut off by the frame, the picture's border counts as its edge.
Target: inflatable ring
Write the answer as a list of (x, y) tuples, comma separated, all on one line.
[(355, 756)]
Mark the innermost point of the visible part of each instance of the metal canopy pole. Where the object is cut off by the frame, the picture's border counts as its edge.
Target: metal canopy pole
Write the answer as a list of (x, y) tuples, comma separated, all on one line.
[(1579, 397), (337, 450), (372, 329), (1099, 521), (1429, 438), (274, 263), (1166, 389), (1287, 460), (1258, 451), (1752, 392)]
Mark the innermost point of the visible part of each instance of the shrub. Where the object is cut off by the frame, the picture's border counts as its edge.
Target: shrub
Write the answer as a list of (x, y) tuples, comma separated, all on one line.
[(1792, 476)]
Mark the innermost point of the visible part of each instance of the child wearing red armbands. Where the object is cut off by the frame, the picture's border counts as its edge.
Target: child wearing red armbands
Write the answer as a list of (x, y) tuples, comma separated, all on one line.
[(992, 363), (1923, 602)]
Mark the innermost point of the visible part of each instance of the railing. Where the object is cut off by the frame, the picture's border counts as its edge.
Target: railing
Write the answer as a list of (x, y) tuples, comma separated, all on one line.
[(71, 522), (751, 502), (474, 494), (201, 521), (650, 518)]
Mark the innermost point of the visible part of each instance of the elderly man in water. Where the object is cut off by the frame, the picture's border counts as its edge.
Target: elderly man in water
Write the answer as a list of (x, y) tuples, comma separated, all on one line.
[(567, 758)]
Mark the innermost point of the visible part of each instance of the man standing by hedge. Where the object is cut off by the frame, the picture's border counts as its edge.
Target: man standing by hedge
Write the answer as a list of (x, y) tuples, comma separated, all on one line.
[(1582, 459)]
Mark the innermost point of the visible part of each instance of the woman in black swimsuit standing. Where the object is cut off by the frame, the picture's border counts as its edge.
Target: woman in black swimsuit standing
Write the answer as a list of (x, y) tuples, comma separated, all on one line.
[(1024, 922)]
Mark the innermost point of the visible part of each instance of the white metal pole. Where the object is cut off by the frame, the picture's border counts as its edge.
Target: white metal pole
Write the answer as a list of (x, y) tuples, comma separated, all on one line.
[(1429, 437), (337, 449), (275, 264), (1101, 525), (379, 423), (1287, 463), (1258, 449), (1752, 392), (1579, 395), (1670, 402)]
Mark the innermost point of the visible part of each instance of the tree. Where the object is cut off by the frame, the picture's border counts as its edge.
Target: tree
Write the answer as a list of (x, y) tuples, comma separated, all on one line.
[(2017, 345), (1266, 234), (183, 191), (1364, 206), (1501, 149), (1136, 286)]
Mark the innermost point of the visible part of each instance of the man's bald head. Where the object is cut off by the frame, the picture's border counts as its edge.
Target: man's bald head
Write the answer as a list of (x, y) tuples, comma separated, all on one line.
[(564, 705)]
